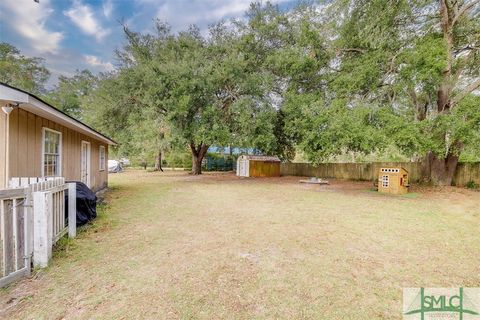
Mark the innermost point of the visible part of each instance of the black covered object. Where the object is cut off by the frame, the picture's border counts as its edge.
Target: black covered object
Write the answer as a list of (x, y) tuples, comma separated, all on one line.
[(86, 203)]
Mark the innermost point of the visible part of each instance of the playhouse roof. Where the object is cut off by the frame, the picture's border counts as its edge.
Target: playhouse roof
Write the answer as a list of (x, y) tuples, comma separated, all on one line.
[(393, 169)]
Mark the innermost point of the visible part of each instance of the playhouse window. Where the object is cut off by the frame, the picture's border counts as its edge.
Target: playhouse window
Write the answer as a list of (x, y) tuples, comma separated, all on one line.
[(51, 153), (385, 181)]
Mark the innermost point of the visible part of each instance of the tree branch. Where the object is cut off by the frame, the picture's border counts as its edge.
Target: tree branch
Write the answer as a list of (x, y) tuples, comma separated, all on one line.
[(469, 89), (413, 96), (464, 9), (466, 48), (203, 151), (360, 50), (462, 62), (193, 148)]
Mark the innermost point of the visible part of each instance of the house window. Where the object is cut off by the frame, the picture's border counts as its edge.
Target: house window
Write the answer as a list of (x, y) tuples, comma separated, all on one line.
[(385, 181), (52, 151), (102, 158)]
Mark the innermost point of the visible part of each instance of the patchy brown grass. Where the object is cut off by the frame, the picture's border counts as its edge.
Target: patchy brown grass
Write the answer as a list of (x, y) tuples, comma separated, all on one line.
[(174, 246)]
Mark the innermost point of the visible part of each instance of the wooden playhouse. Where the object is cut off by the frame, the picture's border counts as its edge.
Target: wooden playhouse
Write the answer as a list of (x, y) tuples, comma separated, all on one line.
[(393, 180), (258, 166)]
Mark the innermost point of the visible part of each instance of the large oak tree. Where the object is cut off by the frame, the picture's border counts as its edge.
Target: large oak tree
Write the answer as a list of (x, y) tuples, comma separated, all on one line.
[(421, 61)]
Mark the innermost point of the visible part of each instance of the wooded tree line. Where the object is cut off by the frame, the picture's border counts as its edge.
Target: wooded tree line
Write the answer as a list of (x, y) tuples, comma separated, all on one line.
[(324, 79)]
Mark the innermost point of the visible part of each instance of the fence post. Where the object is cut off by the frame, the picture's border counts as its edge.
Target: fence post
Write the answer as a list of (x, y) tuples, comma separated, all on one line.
[(28, 227), (42, 242), (72, 210)]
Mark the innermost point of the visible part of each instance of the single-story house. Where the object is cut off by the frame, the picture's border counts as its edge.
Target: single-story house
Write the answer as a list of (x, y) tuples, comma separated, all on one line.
[(38, 140)]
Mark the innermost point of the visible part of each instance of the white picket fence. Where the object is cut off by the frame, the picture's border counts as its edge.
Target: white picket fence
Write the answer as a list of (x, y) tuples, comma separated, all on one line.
[(14, 251), (38, 206)]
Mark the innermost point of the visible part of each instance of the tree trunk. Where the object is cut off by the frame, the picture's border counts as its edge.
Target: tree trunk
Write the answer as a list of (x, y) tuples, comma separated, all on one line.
[(196, 164), (198, 153), (158, 161), (440, 170), (443, 99)]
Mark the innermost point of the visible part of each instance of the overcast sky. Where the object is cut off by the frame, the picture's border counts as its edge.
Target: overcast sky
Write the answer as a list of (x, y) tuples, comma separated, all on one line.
[(81, 34)]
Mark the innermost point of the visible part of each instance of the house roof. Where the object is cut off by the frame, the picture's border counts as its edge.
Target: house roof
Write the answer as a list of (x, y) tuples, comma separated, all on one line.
[(35, 105)]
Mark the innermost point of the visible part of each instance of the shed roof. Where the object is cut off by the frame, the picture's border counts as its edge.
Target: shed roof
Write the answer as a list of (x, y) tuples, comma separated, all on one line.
[(262, 158), (35, 105)]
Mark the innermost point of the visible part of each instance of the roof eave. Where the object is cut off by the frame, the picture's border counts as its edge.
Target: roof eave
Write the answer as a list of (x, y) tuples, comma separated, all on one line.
[(35, 105)]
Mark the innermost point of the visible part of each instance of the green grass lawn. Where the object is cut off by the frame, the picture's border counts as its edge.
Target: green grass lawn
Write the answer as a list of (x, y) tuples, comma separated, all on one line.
[(174, 246)]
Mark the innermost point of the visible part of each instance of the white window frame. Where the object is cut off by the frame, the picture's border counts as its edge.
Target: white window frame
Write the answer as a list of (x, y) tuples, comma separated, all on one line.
[(385, 181), (60, 151), (102, 164), (89, 162)]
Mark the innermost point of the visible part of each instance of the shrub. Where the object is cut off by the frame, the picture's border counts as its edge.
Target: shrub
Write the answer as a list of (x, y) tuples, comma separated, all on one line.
[(472, 185), (178, 159)]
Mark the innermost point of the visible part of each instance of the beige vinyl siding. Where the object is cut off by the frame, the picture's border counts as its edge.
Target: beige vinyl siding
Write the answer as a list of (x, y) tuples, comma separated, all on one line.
[(26, 149)]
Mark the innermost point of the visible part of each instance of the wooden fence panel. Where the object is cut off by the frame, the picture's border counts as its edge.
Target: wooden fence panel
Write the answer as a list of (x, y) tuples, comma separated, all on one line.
[(8, 239), (14, 252), (60, 227), (20, 235), (466, 172), (369, 171), (50, 223)]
